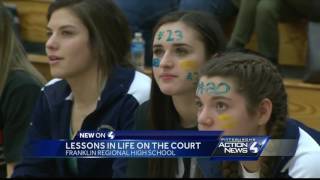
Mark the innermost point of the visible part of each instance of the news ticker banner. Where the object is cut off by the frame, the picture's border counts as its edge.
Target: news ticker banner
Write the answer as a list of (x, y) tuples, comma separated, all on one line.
[(158, 144)]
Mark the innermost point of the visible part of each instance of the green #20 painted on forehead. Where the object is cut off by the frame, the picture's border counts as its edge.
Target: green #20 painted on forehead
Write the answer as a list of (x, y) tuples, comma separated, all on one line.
[(212, 89)]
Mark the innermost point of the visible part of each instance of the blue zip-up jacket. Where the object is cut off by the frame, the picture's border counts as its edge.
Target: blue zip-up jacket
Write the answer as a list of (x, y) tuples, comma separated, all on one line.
[(125, 90), (304, 163)]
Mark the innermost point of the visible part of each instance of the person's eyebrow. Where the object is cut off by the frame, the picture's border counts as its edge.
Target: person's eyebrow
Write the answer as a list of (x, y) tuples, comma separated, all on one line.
[(63, 27), (214, 98), (181, 45), (157, 46)]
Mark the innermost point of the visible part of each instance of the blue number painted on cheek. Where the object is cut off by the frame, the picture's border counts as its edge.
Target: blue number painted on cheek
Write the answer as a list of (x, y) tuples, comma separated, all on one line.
[(156, 62)]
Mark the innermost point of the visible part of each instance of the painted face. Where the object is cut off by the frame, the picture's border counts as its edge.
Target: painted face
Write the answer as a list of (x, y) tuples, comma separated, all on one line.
[(178, 53), (221, 107), (68, 46)]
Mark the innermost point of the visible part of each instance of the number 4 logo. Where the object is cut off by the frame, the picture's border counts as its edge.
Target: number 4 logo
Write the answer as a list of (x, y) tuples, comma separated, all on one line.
[(110, 135), (254, 148)]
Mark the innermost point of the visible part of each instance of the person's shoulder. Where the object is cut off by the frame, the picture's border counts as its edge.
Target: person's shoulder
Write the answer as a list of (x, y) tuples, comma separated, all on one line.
[(56, 91), (141, 117), (304, 165), (209, 168), (53, 84), (137, 168), (293, 126), (144, 107), (307, 155), (140, 87), (19, 78)]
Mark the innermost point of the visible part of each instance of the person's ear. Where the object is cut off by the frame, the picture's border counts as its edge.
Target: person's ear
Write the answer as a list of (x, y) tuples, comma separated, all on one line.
[(264, 111)]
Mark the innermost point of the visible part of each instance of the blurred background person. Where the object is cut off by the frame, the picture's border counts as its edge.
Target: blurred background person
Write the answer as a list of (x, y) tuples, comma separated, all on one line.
[(262, 17), (223, 10), (20, 85)]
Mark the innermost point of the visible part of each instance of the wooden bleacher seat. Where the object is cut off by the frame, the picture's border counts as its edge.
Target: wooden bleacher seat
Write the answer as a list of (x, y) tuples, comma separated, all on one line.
[(292, 43), (303, 98), (33, 18), (304, 102)]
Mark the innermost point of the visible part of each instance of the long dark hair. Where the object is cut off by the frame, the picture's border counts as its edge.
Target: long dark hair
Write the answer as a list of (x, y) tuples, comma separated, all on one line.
[(12, 53), (256, 78), (108, 28), (163, 113)]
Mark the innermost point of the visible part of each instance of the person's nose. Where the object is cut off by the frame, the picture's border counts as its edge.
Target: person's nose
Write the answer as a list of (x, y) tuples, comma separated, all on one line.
[(52, 43), (166, 61), (205, 119)]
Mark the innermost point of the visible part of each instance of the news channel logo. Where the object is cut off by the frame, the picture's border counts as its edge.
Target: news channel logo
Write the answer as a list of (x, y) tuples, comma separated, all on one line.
[(240, 147)]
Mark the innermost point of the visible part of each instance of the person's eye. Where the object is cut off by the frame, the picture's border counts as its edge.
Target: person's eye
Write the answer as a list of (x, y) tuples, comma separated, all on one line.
[(67, 33), (221, 106), (158, 52), (49, 33), (181, 51), (198, 104)]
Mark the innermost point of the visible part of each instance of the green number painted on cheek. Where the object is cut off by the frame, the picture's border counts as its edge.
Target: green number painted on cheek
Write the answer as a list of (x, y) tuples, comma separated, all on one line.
[(189, 76)]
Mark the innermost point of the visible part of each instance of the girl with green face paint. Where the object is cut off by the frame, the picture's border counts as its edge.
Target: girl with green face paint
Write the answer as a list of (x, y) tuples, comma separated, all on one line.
[(246, 90), (182, 42)]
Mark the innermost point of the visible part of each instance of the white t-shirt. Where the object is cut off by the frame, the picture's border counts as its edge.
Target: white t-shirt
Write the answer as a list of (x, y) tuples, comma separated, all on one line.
[(304, 164), (306, 161)]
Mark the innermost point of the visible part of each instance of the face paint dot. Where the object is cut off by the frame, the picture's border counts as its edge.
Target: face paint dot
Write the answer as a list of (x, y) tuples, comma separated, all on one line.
[(227, 121), (156, 62), (225, 117), (189, 65), (228, 125)]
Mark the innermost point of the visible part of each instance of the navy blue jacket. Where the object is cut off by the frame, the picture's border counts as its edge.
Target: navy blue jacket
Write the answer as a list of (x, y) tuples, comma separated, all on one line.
[(302, 165), (125, 90)]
